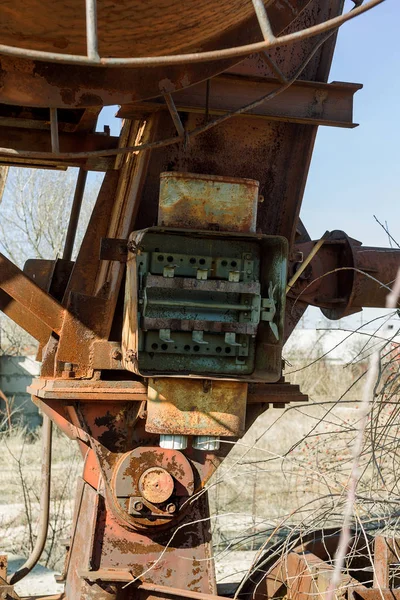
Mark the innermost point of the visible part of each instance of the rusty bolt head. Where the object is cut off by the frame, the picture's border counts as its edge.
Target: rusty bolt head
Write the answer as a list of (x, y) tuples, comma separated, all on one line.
[(116, 354), (138, 505), (156, 485), (68, 372), (171, 508)]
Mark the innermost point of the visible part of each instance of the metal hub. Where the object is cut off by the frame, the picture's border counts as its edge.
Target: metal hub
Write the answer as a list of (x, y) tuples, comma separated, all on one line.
[(156, 485), (151, 485)]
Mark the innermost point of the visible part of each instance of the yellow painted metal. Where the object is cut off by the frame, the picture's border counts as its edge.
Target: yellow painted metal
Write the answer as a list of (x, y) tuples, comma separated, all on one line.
[(196, 407)]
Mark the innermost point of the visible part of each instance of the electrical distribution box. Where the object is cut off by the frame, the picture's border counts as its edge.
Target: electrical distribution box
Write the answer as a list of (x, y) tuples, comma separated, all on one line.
[(208, 304)]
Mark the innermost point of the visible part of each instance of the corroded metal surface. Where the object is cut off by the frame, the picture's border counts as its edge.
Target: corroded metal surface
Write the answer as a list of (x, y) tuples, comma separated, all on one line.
[(183, 406), (133, 516), (303, 102), (345, 276), (192, 201), (124, 30)]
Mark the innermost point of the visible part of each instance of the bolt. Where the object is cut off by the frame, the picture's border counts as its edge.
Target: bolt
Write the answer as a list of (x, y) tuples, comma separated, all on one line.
[(248, 256), (116, 354), (138, 505), (68, 372), (171, 508)]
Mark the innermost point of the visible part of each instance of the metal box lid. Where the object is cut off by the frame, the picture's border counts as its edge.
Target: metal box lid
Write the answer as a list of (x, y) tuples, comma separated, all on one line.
[(192, 201)]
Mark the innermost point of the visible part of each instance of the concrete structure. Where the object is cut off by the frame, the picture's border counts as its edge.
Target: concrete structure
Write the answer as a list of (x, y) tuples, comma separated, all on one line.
[(16, 373)]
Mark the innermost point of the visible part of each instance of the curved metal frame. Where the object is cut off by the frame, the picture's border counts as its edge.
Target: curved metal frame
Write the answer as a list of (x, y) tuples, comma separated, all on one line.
[(270, 41)]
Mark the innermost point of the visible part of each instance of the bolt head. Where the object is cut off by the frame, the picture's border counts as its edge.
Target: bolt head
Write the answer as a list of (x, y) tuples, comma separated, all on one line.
[(171, 508), (156, 485), (138, 505)]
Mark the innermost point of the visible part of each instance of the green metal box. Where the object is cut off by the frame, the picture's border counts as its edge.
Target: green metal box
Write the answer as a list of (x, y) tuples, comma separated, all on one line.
[(204, 304)]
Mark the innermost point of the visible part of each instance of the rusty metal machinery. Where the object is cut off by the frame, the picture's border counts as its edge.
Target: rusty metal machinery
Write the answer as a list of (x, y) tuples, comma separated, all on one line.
[(163, 339)]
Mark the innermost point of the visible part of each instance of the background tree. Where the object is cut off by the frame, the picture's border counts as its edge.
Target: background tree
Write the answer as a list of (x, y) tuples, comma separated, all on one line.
[(34, 215)]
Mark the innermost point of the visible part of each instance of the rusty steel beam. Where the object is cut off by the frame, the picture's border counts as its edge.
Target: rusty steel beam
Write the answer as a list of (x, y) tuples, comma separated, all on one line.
[(21, 139), (24, 318), (30, 296), (306, 102)]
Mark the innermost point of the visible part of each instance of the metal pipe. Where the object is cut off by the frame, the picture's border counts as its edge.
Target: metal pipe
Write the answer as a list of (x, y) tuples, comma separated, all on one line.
[(194, 57), (55, 142), (75, 212), (263, 21), (91, 31), (44, 505)]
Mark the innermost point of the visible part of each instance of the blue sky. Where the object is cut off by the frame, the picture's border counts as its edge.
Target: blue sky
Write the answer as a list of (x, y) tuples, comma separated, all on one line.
[(355, 173)]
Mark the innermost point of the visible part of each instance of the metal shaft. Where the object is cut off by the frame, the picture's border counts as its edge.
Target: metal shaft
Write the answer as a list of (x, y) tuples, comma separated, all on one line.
[(44, 504), (75, 212)]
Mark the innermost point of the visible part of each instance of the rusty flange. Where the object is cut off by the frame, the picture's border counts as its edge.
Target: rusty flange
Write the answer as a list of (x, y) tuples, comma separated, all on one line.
[(151, 485)]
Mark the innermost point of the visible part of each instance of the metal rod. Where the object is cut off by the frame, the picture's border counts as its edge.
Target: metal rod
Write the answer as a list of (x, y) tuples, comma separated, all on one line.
[(271, 63), (307, 261), (175, 115), (263, 21), (194, 57), (207, 111), (194, 304), (55, 143), (173, 140), (91, 31), (47, 430), (74, 216)]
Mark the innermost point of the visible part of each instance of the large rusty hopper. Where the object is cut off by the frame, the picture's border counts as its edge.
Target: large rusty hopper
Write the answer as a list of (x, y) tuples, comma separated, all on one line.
[(129, 28)]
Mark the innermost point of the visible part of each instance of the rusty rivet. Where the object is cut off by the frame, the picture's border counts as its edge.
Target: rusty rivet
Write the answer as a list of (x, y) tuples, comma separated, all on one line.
[(116, 354), (138, 505), (171, 508)]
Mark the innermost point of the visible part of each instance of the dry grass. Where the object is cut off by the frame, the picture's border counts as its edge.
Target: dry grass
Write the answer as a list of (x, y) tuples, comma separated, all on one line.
[(287, 474), (20, 465)]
